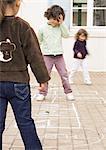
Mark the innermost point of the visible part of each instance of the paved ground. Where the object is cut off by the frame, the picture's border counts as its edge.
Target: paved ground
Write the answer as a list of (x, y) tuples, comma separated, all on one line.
[(65, 125)]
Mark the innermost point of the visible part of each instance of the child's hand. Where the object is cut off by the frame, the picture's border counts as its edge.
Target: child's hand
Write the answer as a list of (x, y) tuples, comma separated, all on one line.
[(42, 87), (79, 55), (60, 19)]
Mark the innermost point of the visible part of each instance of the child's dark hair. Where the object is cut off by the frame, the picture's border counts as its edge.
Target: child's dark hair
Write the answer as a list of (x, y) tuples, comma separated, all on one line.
[(81, 31), (3, 4), (54, 12)]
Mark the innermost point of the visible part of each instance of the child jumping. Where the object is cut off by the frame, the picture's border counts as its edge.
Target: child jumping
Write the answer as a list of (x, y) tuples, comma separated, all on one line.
[(50, 38), (80, 52), (18, 48)]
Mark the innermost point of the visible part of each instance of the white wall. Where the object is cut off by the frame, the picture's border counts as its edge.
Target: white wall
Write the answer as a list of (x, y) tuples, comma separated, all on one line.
[(33, 10)]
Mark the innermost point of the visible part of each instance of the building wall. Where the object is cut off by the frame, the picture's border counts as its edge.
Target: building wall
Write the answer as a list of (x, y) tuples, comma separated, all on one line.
[(33, 12)]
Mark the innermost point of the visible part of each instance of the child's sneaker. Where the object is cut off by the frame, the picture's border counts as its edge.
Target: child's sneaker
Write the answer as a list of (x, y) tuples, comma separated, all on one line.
[(70, 80), (70, 96), (40, 97), (87, 82)]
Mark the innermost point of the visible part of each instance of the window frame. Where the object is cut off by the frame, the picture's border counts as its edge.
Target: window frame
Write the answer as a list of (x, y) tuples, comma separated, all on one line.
[(90, 10)]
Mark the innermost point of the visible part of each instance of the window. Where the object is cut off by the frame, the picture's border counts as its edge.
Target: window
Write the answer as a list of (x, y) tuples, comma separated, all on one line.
[(79, 12), (99, 13), (99, 3), (88, 13)]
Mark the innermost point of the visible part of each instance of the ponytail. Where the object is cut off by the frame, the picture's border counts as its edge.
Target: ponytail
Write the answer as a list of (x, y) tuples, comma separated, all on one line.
[(3, 4), (1, 11)]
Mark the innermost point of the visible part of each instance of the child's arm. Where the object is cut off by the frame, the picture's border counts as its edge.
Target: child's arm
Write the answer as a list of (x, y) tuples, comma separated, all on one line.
[(64, 30), (76, 48), (40, 36), (33, 56)]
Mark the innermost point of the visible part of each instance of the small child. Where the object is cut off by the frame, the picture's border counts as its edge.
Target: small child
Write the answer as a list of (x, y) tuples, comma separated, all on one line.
[(80, 52), (50, 38)]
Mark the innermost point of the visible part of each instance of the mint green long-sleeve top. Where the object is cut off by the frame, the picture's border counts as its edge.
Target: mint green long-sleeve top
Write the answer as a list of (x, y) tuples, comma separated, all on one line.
[(50, 38)]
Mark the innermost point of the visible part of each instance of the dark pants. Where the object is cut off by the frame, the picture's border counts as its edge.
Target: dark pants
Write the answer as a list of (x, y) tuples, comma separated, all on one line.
[(18, 95)]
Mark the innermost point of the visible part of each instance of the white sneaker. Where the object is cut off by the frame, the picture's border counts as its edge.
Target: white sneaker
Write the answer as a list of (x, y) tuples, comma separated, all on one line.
[(40, 97), (70, 96), (71, 81), (88, 82)]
